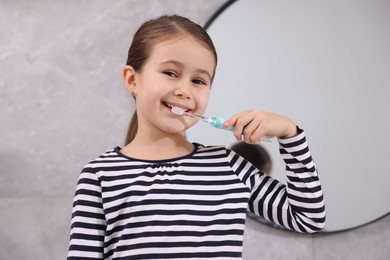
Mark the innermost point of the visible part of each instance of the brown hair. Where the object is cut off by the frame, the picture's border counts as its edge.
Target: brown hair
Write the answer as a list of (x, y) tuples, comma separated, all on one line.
[(150, 33), (255, 154)]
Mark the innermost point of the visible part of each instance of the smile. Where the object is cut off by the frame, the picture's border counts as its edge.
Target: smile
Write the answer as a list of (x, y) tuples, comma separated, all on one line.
[(185, 109)]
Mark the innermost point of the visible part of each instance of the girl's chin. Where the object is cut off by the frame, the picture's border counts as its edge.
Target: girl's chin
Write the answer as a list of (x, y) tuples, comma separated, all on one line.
[(178, 127)]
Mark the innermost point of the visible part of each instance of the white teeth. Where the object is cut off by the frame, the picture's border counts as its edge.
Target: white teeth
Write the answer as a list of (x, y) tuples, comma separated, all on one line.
[(178, 110)]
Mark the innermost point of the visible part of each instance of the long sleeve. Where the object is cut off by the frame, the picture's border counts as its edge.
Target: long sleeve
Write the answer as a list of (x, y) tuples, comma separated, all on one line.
[(88, 222), (299, 205)]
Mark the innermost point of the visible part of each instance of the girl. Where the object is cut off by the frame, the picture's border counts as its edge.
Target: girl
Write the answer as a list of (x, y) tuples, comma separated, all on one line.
[(162, 197)]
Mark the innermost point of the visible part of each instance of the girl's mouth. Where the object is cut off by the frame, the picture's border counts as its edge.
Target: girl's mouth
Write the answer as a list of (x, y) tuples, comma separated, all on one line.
[(177, 108)]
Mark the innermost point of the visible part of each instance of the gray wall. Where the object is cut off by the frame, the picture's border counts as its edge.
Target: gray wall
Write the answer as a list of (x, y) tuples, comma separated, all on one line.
[(62, 103)]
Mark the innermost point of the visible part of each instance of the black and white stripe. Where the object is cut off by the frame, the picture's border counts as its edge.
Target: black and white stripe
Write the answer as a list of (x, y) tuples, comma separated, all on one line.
[(189, 207)]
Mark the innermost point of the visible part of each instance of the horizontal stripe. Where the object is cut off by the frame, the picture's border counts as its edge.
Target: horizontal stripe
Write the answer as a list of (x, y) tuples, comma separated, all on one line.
[(225, 255), (188, 207)]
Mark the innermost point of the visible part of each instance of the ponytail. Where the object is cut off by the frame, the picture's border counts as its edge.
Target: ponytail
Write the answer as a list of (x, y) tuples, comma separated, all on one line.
[(132, 130)]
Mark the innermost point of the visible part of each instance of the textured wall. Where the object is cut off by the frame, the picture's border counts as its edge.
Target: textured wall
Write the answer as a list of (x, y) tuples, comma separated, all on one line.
[(62, 103)]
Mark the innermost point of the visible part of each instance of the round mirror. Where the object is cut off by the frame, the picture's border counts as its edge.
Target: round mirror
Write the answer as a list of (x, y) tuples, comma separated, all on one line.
[(325, 64)]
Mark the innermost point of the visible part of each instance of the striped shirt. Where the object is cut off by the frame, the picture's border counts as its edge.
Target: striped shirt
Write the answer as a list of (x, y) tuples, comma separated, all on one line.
[(191, 207)]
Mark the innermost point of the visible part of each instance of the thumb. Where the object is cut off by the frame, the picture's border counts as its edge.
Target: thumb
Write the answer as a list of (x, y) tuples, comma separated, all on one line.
[(233, 120)]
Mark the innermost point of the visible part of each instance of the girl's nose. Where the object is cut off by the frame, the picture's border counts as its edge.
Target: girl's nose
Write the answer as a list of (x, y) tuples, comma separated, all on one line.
[(182, 91)]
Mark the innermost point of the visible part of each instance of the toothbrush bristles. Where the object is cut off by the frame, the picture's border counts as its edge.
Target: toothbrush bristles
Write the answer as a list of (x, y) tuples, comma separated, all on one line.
[(178, 110)]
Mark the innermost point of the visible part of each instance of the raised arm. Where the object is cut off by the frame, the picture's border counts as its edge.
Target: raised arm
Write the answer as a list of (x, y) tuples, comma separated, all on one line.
[(299, 205)]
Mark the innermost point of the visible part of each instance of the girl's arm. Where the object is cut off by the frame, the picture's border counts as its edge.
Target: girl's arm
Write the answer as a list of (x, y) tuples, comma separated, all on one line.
[(299, 205), (88, 222)]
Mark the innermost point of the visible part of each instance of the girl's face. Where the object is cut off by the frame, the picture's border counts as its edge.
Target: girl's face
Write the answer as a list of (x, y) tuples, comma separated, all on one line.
[(178, 73)]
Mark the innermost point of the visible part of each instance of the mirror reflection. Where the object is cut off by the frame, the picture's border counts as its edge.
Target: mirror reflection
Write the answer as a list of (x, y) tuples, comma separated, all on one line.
[(327, 65)]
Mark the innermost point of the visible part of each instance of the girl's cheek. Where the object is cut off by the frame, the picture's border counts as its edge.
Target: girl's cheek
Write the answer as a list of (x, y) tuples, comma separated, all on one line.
[(203, 107), (202, 100)]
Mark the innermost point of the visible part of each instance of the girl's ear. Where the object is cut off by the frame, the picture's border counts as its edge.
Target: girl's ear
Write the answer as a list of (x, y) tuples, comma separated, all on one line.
[(130, 79)]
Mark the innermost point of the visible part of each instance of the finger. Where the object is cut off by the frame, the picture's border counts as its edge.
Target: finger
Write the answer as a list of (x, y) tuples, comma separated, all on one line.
[(232, 121), (238, 121), (250, 130), (254, 131), (257, 134), (245, 126)]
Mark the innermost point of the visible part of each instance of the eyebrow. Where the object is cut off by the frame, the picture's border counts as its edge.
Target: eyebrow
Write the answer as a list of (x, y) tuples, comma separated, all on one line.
[(181, 65)]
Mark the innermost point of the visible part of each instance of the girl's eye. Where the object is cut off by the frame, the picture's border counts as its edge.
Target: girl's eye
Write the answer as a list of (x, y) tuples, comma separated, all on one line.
[(198, 82), (170, 73)]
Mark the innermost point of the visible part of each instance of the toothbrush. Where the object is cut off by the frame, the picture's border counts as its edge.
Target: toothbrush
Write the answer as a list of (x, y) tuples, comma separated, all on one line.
[(217, 122)]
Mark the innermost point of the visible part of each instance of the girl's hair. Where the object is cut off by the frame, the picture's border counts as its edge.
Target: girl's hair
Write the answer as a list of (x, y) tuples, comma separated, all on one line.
[(155, 31), (255, 154)]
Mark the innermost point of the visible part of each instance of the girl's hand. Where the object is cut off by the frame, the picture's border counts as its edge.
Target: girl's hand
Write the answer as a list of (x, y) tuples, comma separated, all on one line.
[(254, 124)]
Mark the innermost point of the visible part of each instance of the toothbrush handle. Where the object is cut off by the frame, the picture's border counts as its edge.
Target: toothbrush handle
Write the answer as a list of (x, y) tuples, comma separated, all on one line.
[(218, 122)]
